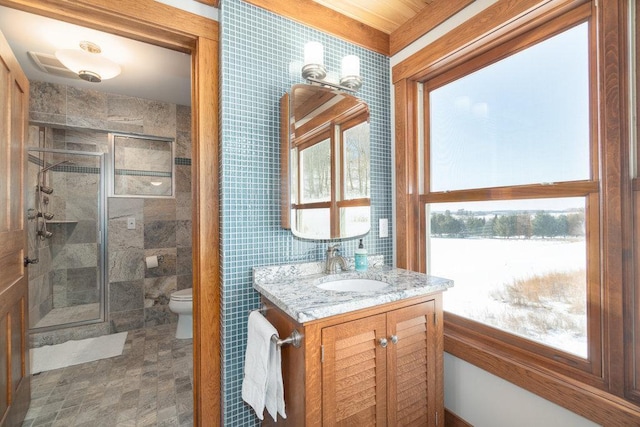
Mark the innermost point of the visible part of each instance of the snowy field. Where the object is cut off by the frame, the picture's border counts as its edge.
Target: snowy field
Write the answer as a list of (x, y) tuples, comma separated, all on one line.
[(479, 267)]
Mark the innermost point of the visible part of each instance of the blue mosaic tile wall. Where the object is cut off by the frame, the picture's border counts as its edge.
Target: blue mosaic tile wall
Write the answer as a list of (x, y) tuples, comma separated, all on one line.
[(257, 48)]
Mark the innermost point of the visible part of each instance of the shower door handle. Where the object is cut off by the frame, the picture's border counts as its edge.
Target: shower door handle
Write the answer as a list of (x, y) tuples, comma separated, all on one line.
[(28, 261)]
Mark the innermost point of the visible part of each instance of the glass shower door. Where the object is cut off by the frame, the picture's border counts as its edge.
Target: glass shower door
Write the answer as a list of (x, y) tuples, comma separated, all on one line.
[(66, 222)]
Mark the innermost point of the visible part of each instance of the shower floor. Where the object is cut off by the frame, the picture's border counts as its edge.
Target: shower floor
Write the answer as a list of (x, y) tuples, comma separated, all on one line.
[(76, 313)]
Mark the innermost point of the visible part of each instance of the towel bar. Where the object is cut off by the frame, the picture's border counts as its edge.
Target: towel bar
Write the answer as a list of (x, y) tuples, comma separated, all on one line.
[(295, 339)]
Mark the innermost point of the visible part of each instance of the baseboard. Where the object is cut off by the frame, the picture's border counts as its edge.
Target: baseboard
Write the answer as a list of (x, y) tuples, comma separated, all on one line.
[(452, 420)]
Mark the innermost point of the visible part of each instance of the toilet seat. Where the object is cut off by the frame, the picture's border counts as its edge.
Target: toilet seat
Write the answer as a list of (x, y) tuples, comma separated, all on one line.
[(183, 295)]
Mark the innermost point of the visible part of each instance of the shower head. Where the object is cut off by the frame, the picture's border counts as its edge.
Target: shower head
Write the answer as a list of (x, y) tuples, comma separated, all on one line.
[(46, 190), (43, 170)]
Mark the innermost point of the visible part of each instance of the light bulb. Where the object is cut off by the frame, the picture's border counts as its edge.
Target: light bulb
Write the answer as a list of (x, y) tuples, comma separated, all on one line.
[(350, 66), (313, 53)]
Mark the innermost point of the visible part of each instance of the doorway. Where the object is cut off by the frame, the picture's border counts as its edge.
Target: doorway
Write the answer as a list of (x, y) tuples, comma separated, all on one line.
[(152, 22)]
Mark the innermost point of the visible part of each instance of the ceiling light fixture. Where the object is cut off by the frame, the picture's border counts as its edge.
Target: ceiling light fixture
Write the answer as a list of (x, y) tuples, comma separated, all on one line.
[(315, 71), (88, 62)]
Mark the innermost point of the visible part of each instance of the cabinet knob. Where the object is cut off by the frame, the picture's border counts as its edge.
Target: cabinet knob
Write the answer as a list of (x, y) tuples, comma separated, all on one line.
[(383, 342), (394, 339)]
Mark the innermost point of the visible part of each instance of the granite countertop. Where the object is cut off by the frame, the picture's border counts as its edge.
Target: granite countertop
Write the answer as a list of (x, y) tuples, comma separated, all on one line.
[(293, 288)]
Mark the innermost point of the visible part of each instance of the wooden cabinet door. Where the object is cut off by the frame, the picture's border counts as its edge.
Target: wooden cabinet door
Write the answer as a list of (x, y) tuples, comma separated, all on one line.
[(354, 373), (412, 365), (14, 368)]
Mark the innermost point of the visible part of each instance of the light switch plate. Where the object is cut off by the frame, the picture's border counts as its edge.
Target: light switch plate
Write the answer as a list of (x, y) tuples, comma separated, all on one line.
[(384, 227), (131, 223)]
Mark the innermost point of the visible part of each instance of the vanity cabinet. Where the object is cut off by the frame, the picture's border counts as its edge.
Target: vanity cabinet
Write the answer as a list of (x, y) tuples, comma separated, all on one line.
[(374, 367)]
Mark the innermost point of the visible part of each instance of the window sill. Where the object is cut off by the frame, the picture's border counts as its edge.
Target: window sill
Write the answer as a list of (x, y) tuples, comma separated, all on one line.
[(588, 401)]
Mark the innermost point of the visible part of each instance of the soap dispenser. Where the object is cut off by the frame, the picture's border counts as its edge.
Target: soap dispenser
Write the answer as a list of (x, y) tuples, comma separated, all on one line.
[(361, 258)]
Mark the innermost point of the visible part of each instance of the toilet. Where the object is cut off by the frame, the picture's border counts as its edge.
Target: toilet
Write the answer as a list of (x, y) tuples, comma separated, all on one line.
[(181, 303)]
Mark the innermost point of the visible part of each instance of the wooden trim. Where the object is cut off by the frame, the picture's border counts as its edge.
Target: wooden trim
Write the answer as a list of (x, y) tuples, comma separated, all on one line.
[(339, 203), (585, 400), (408, 249), (632, 305), (144, 20), (349, 203), (206, 236), (314, 205), (453, 420), (631, 243), (614, 157), (334, 217), (432, 15), (566, 189), (439, 354), (159, 24), (525, 351), (490, 26), (322, 18), (285, 167), (214, 3)]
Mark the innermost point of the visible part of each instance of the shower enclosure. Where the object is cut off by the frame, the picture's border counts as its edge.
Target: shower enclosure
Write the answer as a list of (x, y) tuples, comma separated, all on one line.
[(66, 223)]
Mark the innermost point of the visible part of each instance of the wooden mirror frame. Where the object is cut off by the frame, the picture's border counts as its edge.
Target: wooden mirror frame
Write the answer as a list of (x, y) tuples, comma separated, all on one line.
[(156, 23), (321, 115)]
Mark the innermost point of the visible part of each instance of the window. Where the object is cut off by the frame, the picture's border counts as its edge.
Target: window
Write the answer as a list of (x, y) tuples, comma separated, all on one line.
[(141, 166), (476, 197), (504, 141)]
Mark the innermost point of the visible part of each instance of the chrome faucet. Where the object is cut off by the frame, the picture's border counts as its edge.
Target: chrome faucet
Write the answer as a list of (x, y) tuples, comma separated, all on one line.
[(334, 260)]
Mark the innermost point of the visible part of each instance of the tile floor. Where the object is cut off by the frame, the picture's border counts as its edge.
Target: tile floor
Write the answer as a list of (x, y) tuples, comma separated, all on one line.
[(150, 384)]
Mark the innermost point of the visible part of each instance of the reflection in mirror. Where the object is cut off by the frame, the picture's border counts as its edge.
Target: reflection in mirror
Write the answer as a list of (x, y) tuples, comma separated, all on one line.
[(142, 166), (325, 163)]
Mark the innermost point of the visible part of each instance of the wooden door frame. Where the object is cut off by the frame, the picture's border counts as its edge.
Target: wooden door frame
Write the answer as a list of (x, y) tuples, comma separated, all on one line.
[(156, 23)]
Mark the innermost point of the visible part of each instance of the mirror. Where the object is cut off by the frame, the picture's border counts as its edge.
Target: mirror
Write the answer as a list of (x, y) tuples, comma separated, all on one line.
[(325, 160), (141, 166)]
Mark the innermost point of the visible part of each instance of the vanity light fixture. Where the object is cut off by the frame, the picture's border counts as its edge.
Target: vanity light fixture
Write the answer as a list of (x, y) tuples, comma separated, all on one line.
[(314, 70), (88, 62)]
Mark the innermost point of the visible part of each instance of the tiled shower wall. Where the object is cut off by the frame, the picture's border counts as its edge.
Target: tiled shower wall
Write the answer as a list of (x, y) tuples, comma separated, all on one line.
[(80, 120), (261, 58)]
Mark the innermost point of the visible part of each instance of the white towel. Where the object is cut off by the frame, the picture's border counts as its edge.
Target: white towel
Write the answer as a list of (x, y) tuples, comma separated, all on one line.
[(262, 383)]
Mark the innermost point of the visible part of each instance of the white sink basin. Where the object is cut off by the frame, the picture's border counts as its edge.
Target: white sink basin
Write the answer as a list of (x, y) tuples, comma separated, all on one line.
[(353, 285)]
